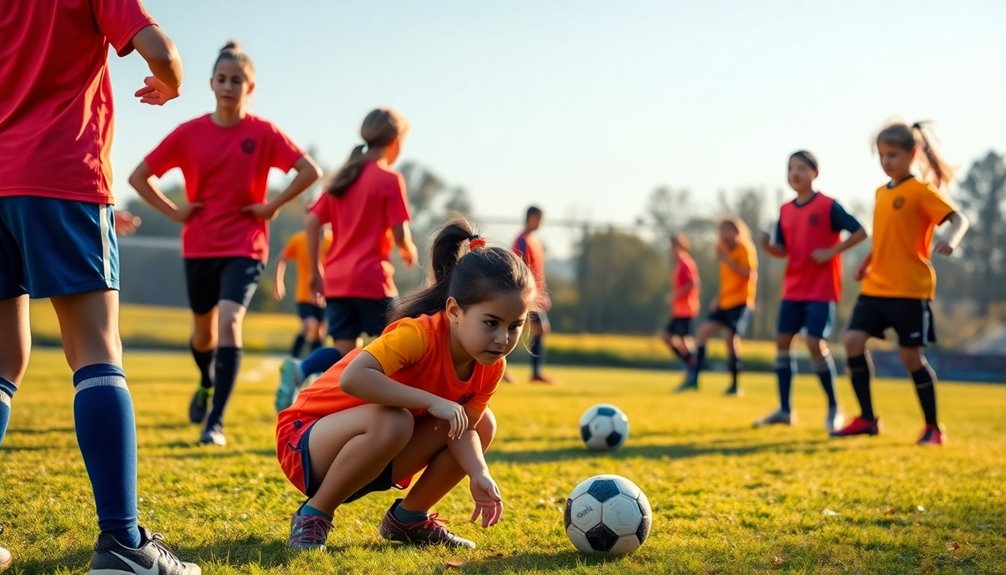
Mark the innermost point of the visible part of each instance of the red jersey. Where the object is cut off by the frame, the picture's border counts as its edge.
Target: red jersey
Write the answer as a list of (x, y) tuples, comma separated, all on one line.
[(531, 251), (686, 302), (56, 95), (804, 228), (225, 169), (359, 261)]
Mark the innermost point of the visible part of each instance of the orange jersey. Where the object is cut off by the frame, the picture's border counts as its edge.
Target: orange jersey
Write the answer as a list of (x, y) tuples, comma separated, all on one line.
[(412, 351), (686, 302), (296, 250), (904, 220), (736, 289)]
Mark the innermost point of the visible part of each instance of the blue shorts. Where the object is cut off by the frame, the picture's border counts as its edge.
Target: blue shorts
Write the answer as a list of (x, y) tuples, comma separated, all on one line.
[(816, 317), (51, 247), (733, 318)]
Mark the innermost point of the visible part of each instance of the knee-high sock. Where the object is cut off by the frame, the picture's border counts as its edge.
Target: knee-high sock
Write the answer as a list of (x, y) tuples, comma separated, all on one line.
[(537, 355), (785, 367), (860, 372), (925, 388), (106, 434), (320, 360), (204, 361), (7, 389), (735, 365), (825, 368), (227, 364), (298, 345)]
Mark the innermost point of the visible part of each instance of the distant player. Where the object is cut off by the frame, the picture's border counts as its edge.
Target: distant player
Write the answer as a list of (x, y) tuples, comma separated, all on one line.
[(310, 306), (898, 277), (808, 236), (225, 158), (529, 248), (368, 210), (731, 309), (683, 301), (57, 237), (415, 399)]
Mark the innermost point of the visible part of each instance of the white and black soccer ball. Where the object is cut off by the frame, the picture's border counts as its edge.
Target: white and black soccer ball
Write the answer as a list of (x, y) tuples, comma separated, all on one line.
[(607, 514), (604, 427)]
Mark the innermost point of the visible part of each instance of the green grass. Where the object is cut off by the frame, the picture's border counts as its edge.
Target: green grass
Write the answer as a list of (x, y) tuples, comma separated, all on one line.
[(726, 498)]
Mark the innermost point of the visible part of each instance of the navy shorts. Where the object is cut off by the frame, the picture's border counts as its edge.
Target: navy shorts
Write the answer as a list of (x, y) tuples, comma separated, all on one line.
[(309, 311), (816, 317), (51, 247), (348, 317), (733, 318), (680, 326), (382, 482), (911, 319), (212, 280)]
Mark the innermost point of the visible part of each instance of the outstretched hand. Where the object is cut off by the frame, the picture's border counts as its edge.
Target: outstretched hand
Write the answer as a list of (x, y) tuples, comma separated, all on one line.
[(155, 92), (488, 501)]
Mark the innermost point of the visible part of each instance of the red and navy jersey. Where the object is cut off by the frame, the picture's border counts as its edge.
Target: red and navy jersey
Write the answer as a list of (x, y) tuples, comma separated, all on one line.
[(803, 229)]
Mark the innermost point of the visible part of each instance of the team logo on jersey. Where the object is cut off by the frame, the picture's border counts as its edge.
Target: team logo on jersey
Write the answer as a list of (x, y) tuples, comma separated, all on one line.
[(248, 145), (466, 398), (814, 220), (898, 202)]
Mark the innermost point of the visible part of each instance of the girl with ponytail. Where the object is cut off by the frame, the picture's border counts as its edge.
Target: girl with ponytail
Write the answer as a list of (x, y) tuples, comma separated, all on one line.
[(415, 399), (898, 277)]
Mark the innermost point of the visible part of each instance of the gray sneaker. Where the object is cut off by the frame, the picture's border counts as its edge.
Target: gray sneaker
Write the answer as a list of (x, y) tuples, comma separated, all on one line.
[(777, 417), (213, 436), (308, 532), (152, 557), (834, 420), (290, 380)]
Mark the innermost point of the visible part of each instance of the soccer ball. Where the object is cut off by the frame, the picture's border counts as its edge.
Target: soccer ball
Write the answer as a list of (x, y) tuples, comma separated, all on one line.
[(604, 427), (607, 514)]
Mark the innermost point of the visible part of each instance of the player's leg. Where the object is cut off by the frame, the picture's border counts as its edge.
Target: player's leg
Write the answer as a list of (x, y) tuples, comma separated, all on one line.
[(869, 319), (540, 327), (734, 365), (706, 330), (305, 331), (202, 281), (785, 367), (914, 326), (15, 347), (820, 318)]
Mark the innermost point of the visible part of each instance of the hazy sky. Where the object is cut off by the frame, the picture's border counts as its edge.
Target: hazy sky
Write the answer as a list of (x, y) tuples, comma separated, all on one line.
[(584, 106)]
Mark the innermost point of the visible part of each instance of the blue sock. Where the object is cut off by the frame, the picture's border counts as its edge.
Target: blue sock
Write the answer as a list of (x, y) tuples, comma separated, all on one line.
[(227, 364), (785, 367), (306, 509), (106, 434), (536, 355), (406, 516), (7, 389), (825, 368), (320, 360), (298, 346)]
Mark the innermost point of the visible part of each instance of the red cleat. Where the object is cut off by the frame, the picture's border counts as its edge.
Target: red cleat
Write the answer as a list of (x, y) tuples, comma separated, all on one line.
[(859, 426), (931, 435)]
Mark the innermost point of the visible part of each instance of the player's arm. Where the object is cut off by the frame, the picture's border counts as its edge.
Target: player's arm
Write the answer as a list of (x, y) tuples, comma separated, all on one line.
[(775, 249), (864, 266), (406, 247), (959, 225), (142, 180), (308, 173), (165, 64), (280, 287), (467, 451), (735, 267), (313, 230)]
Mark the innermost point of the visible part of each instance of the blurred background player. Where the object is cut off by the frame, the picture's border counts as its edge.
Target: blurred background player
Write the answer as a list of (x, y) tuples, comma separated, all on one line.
[(683, 301), (529, 248), (731, 309), (898, 277), (57, 236), (225, 157), (310, 306), (368, 210), (808, 236)]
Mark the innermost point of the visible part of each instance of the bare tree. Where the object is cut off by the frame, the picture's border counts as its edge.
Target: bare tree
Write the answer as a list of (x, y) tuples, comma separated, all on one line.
[(984, 198)]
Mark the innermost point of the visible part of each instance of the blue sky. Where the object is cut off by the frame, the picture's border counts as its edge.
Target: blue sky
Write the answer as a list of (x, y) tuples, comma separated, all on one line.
[(583, 107)]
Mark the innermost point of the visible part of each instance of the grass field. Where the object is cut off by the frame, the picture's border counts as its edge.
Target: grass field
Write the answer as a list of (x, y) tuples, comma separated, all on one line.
[(726, 498)]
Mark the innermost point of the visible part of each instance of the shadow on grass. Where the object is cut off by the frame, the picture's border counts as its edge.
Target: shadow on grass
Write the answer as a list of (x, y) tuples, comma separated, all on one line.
[(535, 561), (210, 452)]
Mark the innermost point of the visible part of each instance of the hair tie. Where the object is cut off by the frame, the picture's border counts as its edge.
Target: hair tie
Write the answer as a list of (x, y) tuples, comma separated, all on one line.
[(475, 242)]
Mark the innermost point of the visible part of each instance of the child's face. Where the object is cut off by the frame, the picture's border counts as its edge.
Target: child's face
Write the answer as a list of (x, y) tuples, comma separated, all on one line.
[(801, 176), (896, 161), (728, 234), (490, 330), (230, 85)]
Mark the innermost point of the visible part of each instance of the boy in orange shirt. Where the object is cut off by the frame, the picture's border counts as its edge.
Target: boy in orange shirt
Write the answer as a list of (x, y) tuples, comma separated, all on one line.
[(310, 306)]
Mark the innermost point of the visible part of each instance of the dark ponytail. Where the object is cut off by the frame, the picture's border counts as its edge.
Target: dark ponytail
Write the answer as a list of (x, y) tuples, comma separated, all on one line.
[(470, 277), (348, 173), (379, 129)]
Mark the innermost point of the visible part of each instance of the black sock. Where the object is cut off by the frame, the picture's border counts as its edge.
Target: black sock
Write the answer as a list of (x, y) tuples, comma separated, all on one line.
[(298, 346), (700, 359), (860, 369), (735, 365), (925, 388), (537, 355), (785, 367), (204, 361), (227, 364), (316, 344), (686, 356)]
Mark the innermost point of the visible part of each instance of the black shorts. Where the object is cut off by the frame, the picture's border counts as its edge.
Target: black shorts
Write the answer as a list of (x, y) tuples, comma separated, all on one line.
[(348, 317), (680, 326), (212, 280), (309, 311), (733, 318), (911, 319)]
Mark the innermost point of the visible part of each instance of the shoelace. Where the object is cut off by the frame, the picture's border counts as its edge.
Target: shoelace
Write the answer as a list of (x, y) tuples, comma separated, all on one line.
[(315, 529), (163, 550), (436, 524)]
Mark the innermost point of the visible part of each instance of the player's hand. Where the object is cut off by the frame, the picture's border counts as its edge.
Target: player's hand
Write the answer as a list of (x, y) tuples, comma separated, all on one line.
[(126, 223), (318, 286), (183, 213), (822, 255), (861, 270), (409, 254), (488, 501), (766, 241), (452, 414), (264, 211), (943, 248), (280, 292), (155, 92)]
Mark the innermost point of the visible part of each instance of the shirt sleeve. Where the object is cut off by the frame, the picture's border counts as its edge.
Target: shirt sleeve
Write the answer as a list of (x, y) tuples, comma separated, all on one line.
[(167, 154), (396, 205), (322, 208), (780, 239), (284, 152), (842, 220), (935, 205), (119, 21), (401, 347)]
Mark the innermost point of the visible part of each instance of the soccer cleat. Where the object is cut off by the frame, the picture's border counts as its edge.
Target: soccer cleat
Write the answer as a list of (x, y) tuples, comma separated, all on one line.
[(152, 557), (777, 417), (931, 435), (429, 531), (213, 436), (691, 383), (308, 532), (834, 420), (199, 404), (290, 380), (859, 426)]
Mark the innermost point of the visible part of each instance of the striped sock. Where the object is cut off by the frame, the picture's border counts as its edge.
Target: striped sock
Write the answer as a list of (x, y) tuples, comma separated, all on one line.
[(785, 367), (825, 368), (860, 373), (7, 389)]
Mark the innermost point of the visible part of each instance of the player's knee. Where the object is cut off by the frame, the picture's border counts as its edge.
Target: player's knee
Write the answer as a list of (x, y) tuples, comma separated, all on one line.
[(486, 428), (393, 425), (911, 358), (854, 342), (815, 346)]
